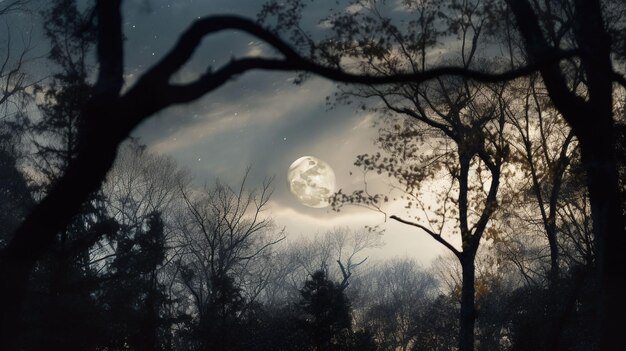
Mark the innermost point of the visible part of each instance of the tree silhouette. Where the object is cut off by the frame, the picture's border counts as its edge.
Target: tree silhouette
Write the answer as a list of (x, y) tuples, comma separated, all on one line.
[(326, 312), (449, 132), (15, 197), (596, 136), (132, 297), (71, 38)]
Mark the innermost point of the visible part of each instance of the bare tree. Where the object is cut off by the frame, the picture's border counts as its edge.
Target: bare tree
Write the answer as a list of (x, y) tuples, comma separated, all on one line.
[(141, 183), (393, 296), (338, 252), (138, 186), (587, 31), (225, 234), (544, 147)]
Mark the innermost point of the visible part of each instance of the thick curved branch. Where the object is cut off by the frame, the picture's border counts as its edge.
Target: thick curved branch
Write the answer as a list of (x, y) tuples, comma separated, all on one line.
[(537, 48), (191, 39)]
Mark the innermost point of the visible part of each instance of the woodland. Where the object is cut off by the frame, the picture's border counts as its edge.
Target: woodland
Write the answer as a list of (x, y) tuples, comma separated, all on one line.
[(515, 108)]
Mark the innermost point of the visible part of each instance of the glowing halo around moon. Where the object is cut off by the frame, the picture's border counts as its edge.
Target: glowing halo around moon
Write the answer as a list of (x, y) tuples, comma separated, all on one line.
[(311, 181)]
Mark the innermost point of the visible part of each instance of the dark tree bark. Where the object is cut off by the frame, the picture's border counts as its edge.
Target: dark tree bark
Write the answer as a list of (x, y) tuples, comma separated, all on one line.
[(593, 124), (468, 295)]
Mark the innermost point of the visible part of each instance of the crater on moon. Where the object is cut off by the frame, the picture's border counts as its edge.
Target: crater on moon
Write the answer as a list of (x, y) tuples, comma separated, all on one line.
[(311, 181)]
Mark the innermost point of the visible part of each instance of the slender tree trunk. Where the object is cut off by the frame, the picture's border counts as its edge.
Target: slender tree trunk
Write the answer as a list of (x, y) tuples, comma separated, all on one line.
[(468, 310), (554, 335), (598, 150), (554, 256)]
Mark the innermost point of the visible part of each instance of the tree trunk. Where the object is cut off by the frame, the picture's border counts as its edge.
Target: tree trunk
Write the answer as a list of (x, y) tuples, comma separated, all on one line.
[(596, 134), (468, 310), (37, 232), (14, 275), (608, 227)]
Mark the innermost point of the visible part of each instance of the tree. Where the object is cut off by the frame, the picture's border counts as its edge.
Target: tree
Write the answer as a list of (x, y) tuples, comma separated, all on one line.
[(587, 29), (141, 193), (394, 298), (142, 183), (545, 155), (463, 145), (64, 277), (326, 312), (225, 238), (15, 193), (338, 252), (132, 296), (71, 37)]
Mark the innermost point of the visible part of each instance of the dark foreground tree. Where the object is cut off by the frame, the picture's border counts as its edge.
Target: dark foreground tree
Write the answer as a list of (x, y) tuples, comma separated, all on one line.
[(593, 124)]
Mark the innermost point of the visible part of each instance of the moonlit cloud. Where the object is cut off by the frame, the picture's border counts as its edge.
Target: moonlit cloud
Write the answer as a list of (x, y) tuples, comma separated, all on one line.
[(398, 239), (248, 111)]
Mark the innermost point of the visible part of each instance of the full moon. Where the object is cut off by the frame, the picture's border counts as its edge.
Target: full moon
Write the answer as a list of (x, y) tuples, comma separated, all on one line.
[(312, 181)]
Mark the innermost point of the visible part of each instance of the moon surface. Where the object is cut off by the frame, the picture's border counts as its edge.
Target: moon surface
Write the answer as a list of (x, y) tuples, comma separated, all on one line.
[(311, 181)]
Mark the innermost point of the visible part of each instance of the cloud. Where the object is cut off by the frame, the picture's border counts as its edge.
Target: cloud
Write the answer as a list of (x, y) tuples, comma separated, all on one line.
[(399, 240), (249, 111)]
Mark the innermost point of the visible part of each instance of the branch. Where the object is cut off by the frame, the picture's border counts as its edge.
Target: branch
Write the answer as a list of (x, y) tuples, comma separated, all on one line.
[(490, 206), (249, 257), (292, 61), (346, 271), (537, 49), (110, 49), (435, 236), (13, 6), (346, 275)]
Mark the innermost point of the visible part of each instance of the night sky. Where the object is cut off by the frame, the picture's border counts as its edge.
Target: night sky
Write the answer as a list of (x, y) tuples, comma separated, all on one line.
[(261, 120)]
